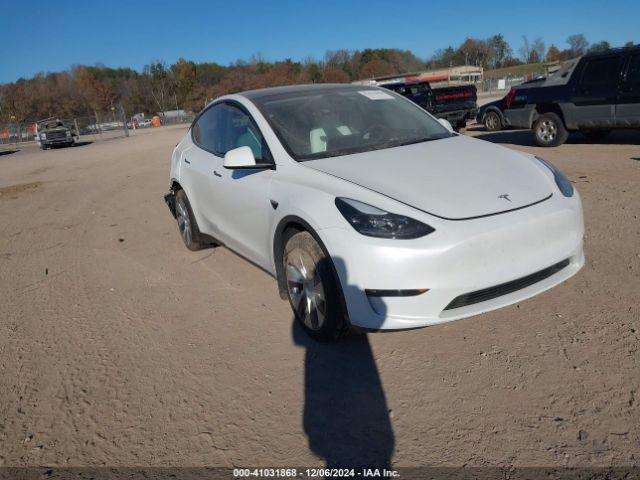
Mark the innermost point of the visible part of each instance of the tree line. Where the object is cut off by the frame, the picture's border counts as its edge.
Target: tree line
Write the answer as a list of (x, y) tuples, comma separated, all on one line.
[(96, 90)]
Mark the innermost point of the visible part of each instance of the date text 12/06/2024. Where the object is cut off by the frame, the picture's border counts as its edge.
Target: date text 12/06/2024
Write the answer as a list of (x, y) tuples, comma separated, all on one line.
[(314, 473)]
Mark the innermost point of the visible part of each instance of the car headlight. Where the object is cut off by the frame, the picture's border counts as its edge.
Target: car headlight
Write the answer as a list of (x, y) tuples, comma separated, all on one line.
[(43, 136), (561, 180), (373, 222), (68, 133)]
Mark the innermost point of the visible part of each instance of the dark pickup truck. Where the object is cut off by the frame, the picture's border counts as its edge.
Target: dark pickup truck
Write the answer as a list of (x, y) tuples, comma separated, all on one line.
[(592, 94), (456, 104), (53, 132)]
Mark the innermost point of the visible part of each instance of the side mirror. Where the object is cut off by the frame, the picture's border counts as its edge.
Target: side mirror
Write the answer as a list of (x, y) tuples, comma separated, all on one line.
[(445, 123), (242, 158)]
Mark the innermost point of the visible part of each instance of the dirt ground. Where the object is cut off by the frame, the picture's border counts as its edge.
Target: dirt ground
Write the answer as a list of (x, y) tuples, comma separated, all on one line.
[(120, 347)]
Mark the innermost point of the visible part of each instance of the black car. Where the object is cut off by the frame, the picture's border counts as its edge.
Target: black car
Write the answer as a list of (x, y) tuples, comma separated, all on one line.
[(593, 94), (492, 116), (456, 104)]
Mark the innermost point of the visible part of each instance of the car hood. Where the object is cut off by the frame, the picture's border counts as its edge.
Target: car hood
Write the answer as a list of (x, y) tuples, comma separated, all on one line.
[(455, 178)]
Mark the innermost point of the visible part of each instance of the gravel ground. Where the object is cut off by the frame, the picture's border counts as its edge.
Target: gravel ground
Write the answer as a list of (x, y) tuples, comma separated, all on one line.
[(120, 347)]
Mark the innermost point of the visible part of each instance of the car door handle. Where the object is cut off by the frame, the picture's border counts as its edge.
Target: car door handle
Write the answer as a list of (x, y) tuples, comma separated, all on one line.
[(216, 174), (187, 161)]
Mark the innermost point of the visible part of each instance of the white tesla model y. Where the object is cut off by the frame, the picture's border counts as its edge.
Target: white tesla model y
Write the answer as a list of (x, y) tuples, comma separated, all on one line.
[(369, 212)]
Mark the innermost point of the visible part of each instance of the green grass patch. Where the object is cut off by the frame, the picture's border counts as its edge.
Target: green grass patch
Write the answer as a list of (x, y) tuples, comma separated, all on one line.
[(515, 71)]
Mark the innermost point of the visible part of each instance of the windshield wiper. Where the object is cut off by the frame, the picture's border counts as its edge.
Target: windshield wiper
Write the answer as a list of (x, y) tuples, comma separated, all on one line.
[(399, 142), (417, 140)]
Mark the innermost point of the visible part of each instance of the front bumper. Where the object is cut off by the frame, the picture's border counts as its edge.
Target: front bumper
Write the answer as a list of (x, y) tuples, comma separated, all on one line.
[(58, 141), (460, 257)]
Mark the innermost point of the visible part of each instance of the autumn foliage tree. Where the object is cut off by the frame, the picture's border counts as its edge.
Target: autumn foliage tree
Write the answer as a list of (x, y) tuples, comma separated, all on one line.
[(97, 93), (96, 90), (334, 75), (553, 54)]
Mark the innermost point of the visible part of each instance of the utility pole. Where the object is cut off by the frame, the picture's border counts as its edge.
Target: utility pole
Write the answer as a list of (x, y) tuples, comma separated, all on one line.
[(14, 118), (124, 121)]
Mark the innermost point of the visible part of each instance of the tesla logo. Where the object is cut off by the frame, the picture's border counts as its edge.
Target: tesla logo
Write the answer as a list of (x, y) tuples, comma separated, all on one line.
[(505, 196)]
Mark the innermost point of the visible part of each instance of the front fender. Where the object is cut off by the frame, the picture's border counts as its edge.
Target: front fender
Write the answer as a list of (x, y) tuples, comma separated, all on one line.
[(278, 248)]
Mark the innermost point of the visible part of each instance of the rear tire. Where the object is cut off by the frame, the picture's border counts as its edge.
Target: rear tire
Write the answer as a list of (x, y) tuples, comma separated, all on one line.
[(312, 287), (549, 130), (595, 135), (492, 122), (187, 224)]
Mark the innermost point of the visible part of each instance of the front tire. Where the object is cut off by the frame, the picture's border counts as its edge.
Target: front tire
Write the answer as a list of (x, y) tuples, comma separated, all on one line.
[(312, 287), (492, 122), (187, 224), (549, 130)]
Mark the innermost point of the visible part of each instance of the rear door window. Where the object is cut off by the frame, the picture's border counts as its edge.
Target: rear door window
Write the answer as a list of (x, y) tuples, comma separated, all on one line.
[(601, 76)]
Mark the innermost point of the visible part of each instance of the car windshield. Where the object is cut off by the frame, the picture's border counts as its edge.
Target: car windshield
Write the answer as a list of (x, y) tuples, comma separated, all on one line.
[(330, 122)]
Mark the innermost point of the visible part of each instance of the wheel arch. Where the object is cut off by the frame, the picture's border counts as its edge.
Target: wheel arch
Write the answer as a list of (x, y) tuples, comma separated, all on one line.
[(286, 224), (175, 185), (297, 224), (493, 109), (542, 108)]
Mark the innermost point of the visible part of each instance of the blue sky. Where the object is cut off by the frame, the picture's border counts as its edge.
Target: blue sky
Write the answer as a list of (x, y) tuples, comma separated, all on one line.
[(42, 36)]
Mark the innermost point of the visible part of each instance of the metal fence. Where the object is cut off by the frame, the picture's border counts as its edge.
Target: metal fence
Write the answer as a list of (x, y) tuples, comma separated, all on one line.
[(186, 117), (15, 132), (499, 84), (490, 84), (494, 84), (90, 128)]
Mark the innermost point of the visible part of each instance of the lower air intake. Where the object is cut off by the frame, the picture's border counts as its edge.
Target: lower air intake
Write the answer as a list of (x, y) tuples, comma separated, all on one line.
[(505, 288)]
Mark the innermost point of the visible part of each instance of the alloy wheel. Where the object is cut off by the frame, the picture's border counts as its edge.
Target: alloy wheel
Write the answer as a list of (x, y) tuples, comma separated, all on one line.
[(491, 121), (184, 224), (547, 131), (305, 289)]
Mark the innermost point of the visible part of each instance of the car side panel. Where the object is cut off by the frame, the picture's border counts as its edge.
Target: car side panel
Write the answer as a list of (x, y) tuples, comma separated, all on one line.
[(187, 181), (595, 103), (628, 106), (520, 117), (245, 212)]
